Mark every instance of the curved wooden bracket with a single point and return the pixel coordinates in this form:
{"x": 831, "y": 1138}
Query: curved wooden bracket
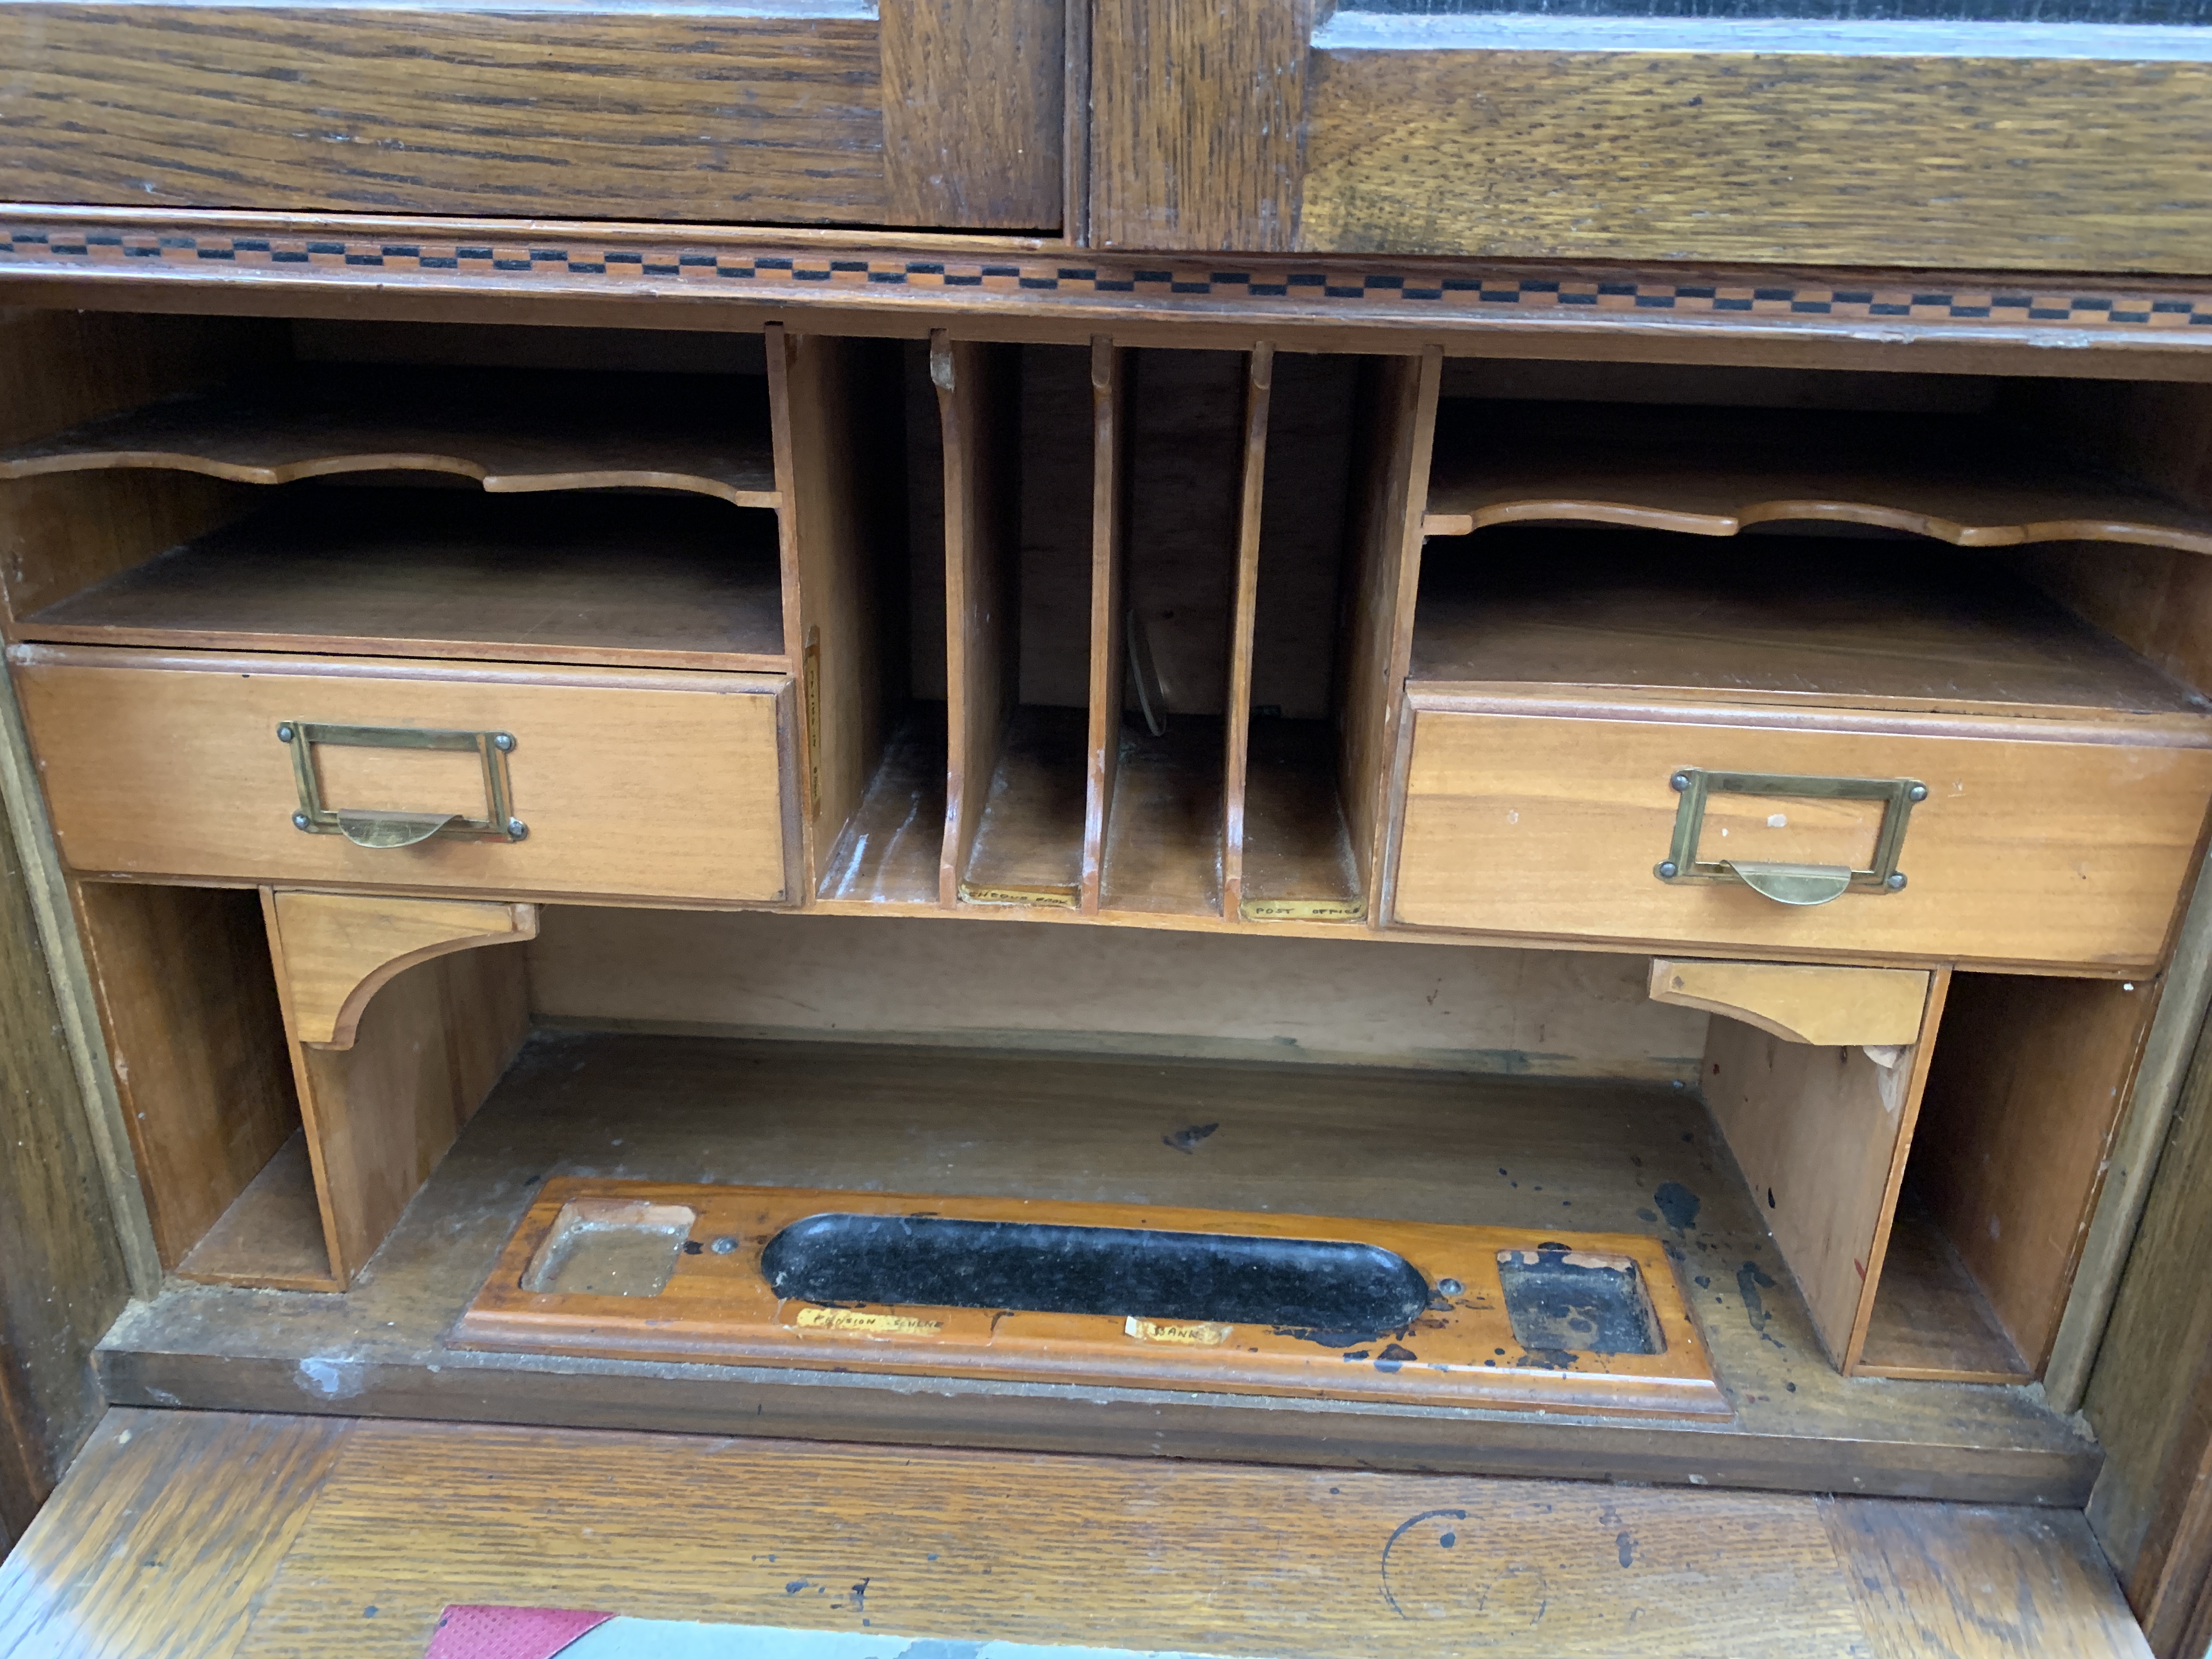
{"x": 339, "y": 949}
{"x": 1829, "y": 1007}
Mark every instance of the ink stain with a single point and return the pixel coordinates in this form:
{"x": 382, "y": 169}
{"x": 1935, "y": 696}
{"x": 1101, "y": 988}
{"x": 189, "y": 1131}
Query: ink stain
{"x": 1185, "y": 1140}
{"x": 1391, "y": 1543}
{"x": 1393, "y": 1357}
{"x": 1678, "y": 1204}
{"x": 1449, "y": 1539}
{"x": 1702, "y": 1282}
{"x": 795, "y": 1587}
{"x": 1646, "y": 1215}
{"x": 1750, "y": 1280}
{"x": 1626, "y": 1543}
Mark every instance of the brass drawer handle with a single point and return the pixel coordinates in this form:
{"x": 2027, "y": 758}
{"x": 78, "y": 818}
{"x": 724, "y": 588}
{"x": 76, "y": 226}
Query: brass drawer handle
{"x": 366, "y": 826}
{"x": 1790, "y": 884}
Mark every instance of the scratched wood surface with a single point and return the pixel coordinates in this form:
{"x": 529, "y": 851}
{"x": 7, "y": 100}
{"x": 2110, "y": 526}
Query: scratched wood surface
{"x": 1500, "y": 1151}
{"x": 1944, "y": 161}
{"x": 187, "y": 1536}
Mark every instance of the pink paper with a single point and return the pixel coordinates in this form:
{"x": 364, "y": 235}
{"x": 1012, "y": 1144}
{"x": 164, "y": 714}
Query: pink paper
{"x": 509, "y": 1632}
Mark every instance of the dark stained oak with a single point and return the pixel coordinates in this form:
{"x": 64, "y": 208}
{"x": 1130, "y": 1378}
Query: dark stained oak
{"x": 1945, "y": 162}
{"x": 536, "y": 113}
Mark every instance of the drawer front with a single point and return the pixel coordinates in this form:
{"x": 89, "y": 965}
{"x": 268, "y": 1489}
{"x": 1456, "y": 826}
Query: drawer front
{"x": 649, "y": 785}
{"x": 2025, "y": 849}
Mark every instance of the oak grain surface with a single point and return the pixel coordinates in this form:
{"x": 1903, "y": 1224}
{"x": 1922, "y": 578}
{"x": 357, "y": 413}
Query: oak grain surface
{"x": 205, "y": 1536}
{"x": 167, "y": 1533}
{"x": 1082, "y": 1551}
{"x": 1965, "y": 1583}
{"x": 2027, "y": 163}
{"x": 526, "y": 114}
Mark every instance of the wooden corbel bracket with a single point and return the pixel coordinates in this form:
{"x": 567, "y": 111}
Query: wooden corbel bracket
{"x": 1874, "y": 1008}
{"x": 337, "y": 950}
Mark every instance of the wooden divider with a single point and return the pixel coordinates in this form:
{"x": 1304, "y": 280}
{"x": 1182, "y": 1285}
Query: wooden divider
{"x": 379, "y": 1112}
{"x": 1398, "y": 419}
{"x": 1820, "y": 1133}
{"x": 980, "y": 585}
{"x": 1236, "y": 724}
{"x": 829, "y": 611}
{"x": 1110, "y": 383}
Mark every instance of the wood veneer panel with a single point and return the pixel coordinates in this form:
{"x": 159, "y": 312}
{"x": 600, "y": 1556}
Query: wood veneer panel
{"x": 1824, "y": 159}
{"x": 475, "y": 111}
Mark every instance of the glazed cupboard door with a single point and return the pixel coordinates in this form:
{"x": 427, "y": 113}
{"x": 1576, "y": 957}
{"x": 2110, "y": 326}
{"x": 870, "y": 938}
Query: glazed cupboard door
{"x": 929, "y": 113}
{"x": 1947, "y": 134}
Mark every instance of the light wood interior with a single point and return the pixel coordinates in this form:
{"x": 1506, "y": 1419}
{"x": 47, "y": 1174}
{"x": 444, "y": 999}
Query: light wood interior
{"x": 995, "y": 567}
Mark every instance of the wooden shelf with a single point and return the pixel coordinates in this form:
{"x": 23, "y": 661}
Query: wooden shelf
{"x": 1298, "y": 850}
{"x": 1929, "y": 1317}
{"x": 635, "y": 580}
{"x": 1029, "y": 845}
{"x": 1163, "y": 833}
{"x": 1634, "y": 1157}
{"x": 510, "y": 430}
{"x": 1828, "y": 618}
{"x": 1714, "y": 472}
{"x": 889, "y": 849}
{"x": 271, "y": 1234}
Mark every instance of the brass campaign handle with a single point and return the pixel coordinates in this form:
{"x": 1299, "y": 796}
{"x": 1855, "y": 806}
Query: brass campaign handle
{"x": 376, "y": 828}
{"x": 1790, "y": 884}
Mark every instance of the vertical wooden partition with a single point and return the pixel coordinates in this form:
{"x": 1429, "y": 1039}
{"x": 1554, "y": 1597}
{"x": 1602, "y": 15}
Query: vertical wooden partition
{"x": 828, "y": 609}
{"x": 1109, "y": 528}
{"x": 979, "y": 587}
{"x": 1236, "y": 728}
{"x": 1398, "y": 420}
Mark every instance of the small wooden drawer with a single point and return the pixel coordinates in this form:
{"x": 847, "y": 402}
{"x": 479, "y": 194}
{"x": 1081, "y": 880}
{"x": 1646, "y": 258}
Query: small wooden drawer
{"x": 627, "y": 783}
{"x": 2060, "y": 842}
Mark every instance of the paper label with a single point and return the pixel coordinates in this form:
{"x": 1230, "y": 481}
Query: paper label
{"x": 1187, "y": 1336}
{"x": 857, "y": 1319}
